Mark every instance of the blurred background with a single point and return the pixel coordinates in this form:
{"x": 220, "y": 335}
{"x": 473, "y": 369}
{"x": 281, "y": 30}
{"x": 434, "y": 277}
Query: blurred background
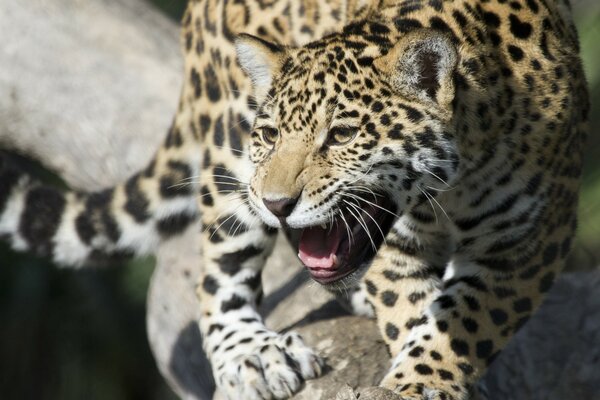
{"x": 75, "y": 335}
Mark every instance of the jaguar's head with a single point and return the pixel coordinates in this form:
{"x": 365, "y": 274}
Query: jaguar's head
{"x": 347, "y": 138}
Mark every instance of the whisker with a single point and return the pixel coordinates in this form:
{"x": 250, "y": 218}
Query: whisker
{"x": 432, "y": 207}
{"x": 371, "y": 203}
{"x": 361, "y": 223}
{"x": 374, "y": 221}
{"x": 231, "y": 149}
{"x": 350, "y": 236}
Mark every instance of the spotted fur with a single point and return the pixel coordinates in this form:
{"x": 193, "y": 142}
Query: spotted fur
{"x": 469, "y": 116}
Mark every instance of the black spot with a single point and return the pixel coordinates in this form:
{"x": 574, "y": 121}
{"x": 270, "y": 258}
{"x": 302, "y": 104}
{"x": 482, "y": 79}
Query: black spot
{"x": 445, "y": 375}
{"x": 414, "y": 322}
{"x": 171, "y": 183}
{"x": 446, "y": 301}
{"x": 439, "y": 24}
{"x": 465, "y": 368}
{"x": 391, "y": 331}
{"x": 460, "y": 347}
{"x": 41, "y": 217}
{"x": 389, "y": 298}
{"x": 423, "y": 369}
{"x": 521, "y": 30}
{"x": 237, "y": 129}
{"x": 472, "y": 303}
{"x": 407, "y": 24}
{"x": 219, "y": 132}
{"x": 215, "y": 327}
{"x": 137, "y": 203}
{"x": 377, "y": 106}
{"x": 442, "y": 326}
{"x": 371, "y": 288}
{"x": 470, "y": 325}
{"x": 212, "y": 84}
{"x": 97, "y": 216}
{"x": 413, "y": 115}
{"x": 550, "y": 254}
{"x": 205, "y": 123}
{"x": 210, "y": 284}
{"x": 522, "y": 305}
{"x": 174, "y": 224}
{"x": 484, "y": 348}
{"x": 254, "y": 282}
{"x": 546, "y": 282}
{"x": 515, "y": 53}
{"x": 206, "y": 197}
{"x": 491, "y": 19}
{"x": 174, "y": 138}
{"x": 391, "y": 275}
{"x": 234, "y": 303}
{"x": 225, "y": 180}
{"x": 230, "y": 263}
{"x": 195, "y": 81}
{"x": 436, "y": 4}
{"x": 85, "y": 227}
{"x": 414, "y": 297}
{"x": 435, "y": 355}
{"x": 395, "y": 132}
{"x": 416, "y": 352}
{"x": 533, "y": 6}
{"x": 498, "y": 316}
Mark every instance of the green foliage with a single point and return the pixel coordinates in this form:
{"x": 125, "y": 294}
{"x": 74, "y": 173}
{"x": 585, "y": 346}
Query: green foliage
{"x": 587, "y": 16}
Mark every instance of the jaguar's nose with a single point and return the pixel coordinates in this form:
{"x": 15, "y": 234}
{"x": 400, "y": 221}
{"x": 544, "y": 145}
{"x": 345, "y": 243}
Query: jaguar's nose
{"x": 281, "y": 208}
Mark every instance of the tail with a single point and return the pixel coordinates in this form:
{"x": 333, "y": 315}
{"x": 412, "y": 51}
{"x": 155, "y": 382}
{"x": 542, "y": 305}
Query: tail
{"x": 75, "y": 228}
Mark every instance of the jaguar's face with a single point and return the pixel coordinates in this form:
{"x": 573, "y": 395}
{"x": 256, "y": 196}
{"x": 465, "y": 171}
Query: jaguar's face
{"x": 340, "y": 153}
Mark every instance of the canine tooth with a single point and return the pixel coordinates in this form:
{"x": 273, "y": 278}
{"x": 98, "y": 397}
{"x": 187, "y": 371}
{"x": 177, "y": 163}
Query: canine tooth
{"x": 323, "y": 225}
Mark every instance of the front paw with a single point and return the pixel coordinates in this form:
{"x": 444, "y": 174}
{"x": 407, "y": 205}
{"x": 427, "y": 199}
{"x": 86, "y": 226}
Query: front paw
{"x": 274, "y": 369}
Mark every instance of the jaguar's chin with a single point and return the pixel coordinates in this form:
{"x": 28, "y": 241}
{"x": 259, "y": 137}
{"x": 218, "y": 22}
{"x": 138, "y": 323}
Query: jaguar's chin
{"x": 331, "y": 252}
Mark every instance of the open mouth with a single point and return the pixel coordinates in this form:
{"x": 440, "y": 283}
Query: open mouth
{"x": 332, "y": 252}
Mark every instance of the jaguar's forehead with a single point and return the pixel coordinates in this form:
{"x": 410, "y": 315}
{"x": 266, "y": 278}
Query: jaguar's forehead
{"x": 318, "y": 80}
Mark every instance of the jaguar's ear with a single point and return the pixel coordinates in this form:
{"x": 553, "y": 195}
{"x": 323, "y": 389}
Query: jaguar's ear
{"x": 261, "y": 60}
{"x": 422, "y": 65}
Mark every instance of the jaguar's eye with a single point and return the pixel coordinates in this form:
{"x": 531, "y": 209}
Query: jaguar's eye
{"x": 269, "y": 135}
{"x": 341, "y": 135}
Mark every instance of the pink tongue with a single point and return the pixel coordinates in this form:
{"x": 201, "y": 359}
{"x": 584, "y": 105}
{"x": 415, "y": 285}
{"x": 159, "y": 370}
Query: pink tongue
{"x": 318, "y": 247}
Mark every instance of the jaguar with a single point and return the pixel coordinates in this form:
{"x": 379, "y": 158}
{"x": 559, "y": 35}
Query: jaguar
{"x": 426, "y": 154}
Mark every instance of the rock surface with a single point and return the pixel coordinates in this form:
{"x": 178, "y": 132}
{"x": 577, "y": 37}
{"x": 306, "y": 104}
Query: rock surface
{"x": 89, "y": 88}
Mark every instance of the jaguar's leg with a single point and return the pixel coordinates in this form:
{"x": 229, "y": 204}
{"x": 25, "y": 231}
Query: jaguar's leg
{"x": 440, "y": 353}
{"x": 249, "y": 361}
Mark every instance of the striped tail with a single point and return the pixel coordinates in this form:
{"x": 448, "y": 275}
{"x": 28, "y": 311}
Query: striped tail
{"x": 76, "y": 228}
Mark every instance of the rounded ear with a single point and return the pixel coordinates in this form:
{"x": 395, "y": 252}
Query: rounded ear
{"x": 261, "y": 60}
{"x": 422, "y": 65}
